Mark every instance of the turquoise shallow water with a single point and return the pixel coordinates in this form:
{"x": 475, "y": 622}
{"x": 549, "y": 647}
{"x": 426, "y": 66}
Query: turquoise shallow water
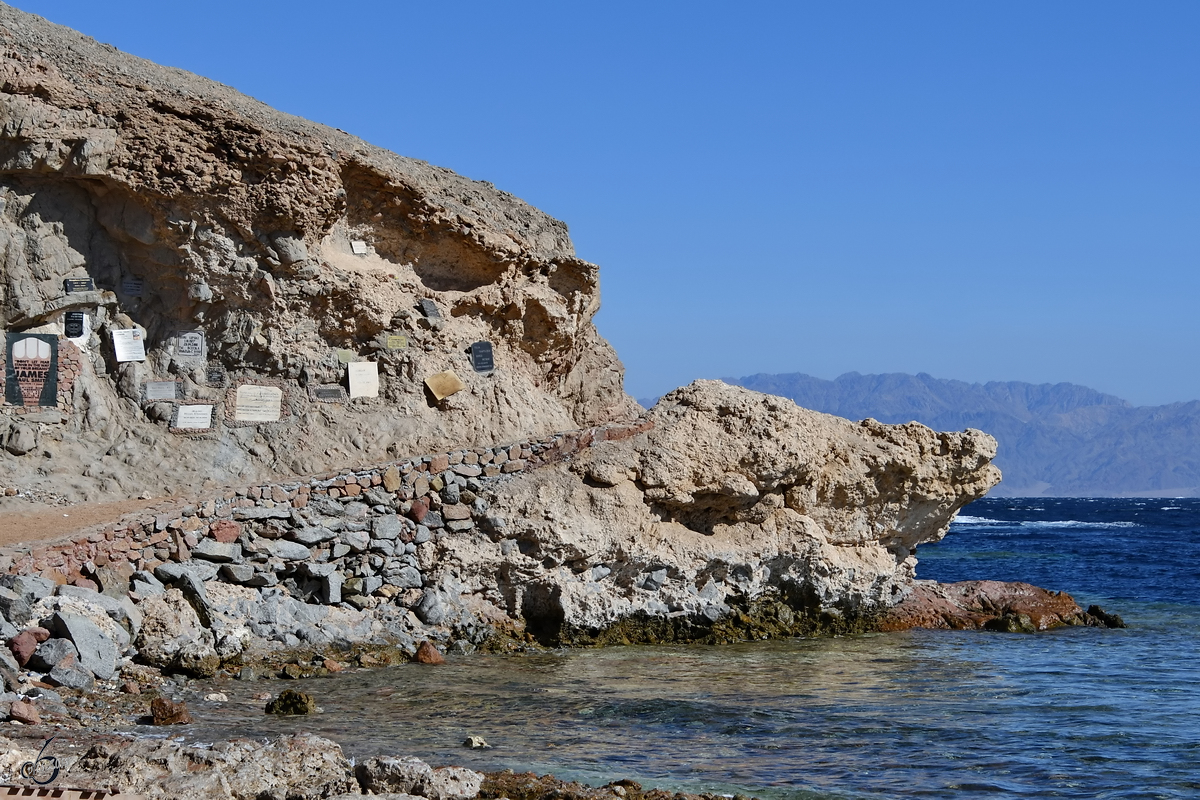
{"x": 1078, "y": 713}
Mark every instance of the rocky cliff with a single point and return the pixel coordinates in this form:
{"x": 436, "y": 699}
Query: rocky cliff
{"x": 242, "y": 246}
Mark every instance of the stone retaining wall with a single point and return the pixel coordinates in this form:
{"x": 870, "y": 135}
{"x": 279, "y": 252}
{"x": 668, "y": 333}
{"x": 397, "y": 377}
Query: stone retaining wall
{"x": 349, "y": 538}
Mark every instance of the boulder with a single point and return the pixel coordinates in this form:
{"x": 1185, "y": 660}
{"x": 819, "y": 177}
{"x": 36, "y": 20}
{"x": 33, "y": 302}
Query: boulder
{"x": 172, "y": 637}
{"x": 453, "y": 783}
{"x": 428, "y": 654}
{"x": 404, "y": 775}
{"x": 291, "y": 703}
{"x": 288, "y": 551}
{"x": 219, "y": 552}
{"x": 52, "y": 652}
{"x": 166, "y": 712}
{"x": 97, "y": 652}
{"x": 120, "y": 609}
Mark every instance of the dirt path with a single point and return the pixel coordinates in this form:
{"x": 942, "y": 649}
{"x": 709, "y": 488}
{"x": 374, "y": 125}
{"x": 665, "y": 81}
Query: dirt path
{"x": 25, "y": 521}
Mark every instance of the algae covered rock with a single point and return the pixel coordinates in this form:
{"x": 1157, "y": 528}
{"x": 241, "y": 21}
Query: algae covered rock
{"x": 292, "y": 703}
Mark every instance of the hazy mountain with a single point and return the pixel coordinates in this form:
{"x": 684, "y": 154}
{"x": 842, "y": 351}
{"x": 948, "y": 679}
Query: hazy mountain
{"x": 1055, "y": 439}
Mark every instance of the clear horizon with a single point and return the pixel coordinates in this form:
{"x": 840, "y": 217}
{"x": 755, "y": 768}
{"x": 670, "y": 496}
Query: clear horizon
{"x": 982, "y": 193}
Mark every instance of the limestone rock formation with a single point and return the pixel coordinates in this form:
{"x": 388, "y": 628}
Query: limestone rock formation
{"x": 293, "y": 248}
{"x": 732, "y": 496}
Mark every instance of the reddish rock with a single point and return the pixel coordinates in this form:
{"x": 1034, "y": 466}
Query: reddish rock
{"x": 300, "y": 501}
{"x": 279, "y": 494}
{"x": 86, "y": 583}
{"x": 23, "y": 646}
{"x": 164, "y": 712}
{"x": 333, "y": 666}
{"x": 456, "y": 511}
{"x": 25, "y": 713}
{"x": 39, "y": 633}
{"x": 353, "y": 490}
{"x": 420, "y": 507}
{"x": 428, "y": 654}
{"x": 131, "y": 687}
{"x": 439, "y": 463}
{"x": 226, "y": 531}
{"x": 983, "y": 604}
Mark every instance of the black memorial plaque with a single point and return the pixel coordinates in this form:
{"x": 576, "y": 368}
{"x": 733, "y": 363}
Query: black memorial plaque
{"x": 429, "y": 309}
{"x": 133, "y": 287}
{"x": 71, "y": 285}
{"x": 73, "y": 324}
{"x": 215, "y": 376}
{"x": 330, "y": 394}
{"x": 481, "y": 357}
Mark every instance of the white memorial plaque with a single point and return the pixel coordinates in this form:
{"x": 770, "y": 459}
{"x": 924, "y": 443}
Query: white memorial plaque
{"x": 161, "y": 390}
{"x": 258, "y": 403}
{"x": 194, "y": 417}
{"x": 358, "y": 248}
{"x": 364, "y": 379}
{"x": 190, "y": 345}
{"x": 128, "y": 345}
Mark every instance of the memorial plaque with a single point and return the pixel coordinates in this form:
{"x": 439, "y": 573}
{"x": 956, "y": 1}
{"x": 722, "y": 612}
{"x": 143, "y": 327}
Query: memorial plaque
{"x": 72, "y": 285}
{"x": 330, "y": 394}
{"x": 444, "y": 384}
{"x": 258, "y": 403}
{"x": 75, "y": 325}
{"x": 358, "y": 248}
{"x": 133, "y": 287}
{"x": 31, "y": 369}
{"x": 345, "y": 356}
{"x": 193, "y": 416}
{"x": 128, "y": 345}
{"x": 190, "y": 345}
{"x": 395, "y": 342}
{"x": 161, "y": 390}
{"x": 429, "y": 309}
{"x": 364, "y": 379}
{"x": 215, "y": 376}
{"x": 481, "y": 357}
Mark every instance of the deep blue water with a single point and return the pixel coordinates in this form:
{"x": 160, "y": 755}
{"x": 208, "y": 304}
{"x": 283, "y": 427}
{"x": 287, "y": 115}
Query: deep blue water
{"x": 1072, "y": 713}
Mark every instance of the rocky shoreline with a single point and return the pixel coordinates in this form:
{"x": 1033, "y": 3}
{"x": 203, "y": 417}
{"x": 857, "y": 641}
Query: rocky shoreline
{"x": 300, "y": 767}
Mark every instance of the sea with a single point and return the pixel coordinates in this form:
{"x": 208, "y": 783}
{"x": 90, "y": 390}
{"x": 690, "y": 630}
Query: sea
{"x": 1069, "y": 713}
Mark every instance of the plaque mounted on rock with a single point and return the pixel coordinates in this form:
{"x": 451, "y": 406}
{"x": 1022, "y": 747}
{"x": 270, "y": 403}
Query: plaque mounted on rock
{"x": 429, "y": 308}
{"x": 157, "y": 391}
{"x": 215, "y": 376}
{"x": 444, "y": 384}
{"x": 358, "y": 247}
{"x": 345, "y": 356}
{"x": 396, "y": 342}
{"x": 129, "y": 345}
{"x": 73, "y": 285}
{"x": 132, "y": 287}
{"x": 75, "y": 325}
{"x": 31, "y": 369}
{"x": 189, "y": 346}
{"x": 364, "y": 379}
{"x": 329, "y": 394}
{"x": 482, "y": 359}
{"x": 254, "y": 403}
{"x": 191, "y": 417}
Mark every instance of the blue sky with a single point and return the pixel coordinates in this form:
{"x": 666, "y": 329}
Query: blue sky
{"x": 981, "y": 191}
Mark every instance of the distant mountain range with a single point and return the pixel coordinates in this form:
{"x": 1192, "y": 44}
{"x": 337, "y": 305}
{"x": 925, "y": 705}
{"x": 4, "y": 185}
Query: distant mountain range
{"x": 1055, "y": 439}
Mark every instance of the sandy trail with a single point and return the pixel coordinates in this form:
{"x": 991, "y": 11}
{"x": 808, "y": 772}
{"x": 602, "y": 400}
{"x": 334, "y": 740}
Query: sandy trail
{"x": 22, "y": 521}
